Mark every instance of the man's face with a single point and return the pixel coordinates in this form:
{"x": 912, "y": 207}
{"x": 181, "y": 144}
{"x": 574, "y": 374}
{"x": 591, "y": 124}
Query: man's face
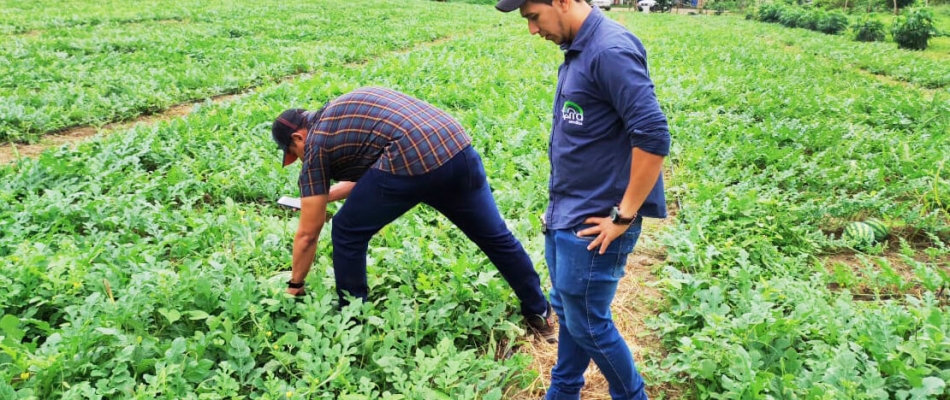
{"x": 546, "y": 21}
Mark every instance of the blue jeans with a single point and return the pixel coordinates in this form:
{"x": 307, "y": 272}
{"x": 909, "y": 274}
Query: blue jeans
{"x": 584, "y": 284}
{"x": 459, "y": 190}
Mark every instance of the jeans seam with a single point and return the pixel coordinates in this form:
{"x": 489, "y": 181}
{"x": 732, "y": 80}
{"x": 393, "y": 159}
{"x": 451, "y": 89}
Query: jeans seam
{"x": 590, "y": 330}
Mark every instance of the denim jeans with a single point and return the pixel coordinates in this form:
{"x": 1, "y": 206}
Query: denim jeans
{"x": 459, "y": 190}
{"x": 584, "y": 284}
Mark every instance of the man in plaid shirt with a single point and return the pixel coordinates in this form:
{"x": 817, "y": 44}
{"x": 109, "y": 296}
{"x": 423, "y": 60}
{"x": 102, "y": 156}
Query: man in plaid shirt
{"x": 389, "y": 152}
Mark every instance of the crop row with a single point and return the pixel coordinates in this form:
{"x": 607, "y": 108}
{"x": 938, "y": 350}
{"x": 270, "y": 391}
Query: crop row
{"x": 64, "y": 75}
{"x": 155, "y": 278}
{"x": 779, "y": 144}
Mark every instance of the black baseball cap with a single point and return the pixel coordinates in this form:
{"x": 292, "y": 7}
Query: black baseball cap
{"x": 286, "y": 124}
{"x": 509, "y": 5}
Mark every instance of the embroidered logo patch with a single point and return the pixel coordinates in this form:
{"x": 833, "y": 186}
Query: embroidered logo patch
{"x": 572, "y": 113}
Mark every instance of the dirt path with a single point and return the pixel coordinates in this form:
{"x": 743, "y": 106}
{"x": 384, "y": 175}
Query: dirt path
{"x": 11, "y": 152}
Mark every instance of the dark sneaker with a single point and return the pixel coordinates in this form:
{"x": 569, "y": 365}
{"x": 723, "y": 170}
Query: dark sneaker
{"x": 543, "y": 326}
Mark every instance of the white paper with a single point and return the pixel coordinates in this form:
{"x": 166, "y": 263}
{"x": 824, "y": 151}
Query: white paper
{"x": 291, "y": 202}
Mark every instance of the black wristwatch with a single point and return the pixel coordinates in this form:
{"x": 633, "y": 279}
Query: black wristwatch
{"x": 292, "y": 285}
{"x": 617, "y": 219}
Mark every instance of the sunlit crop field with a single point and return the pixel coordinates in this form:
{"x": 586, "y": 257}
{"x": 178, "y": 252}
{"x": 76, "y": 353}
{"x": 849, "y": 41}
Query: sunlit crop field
{"x": 146, "y": 263}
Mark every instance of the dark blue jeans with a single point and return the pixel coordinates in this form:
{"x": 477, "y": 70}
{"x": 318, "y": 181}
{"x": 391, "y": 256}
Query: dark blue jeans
{"x": 459, "y": 190}
{"x": 584, "y": 284}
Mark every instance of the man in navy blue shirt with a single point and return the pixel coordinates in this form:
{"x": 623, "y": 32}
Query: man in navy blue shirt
{"x": 608, "y": 141}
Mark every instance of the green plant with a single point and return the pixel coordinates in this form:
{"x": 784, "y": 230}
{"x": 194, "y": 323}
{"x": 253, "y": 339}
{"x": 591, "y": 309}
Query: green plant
{"x": 138, "y": 265}
{"x": 889, "y": 4}
{"x": 869, "y": 30}
{"x": 793, "y": 17}
{"x": 833, "y": 23}
{"x": 913, "y": 30}
{"x": 770, "y": 12}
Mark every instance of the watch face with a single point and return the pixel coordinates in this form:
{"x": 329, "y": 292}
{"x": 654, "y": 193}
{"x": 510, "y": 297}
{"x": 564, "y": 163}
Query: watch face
{"x": 617, "y": 219}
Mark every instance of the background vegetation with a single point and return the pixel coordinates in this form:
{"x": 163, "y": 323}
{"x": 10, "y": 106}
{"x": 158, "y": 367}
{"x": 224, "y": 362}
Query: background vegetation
{"x": 146, "y": 264}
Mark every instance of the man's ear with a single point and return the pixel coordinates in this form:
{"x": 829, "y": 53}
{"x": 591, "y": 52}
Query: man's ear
{"x": 564, "y": 5}
{"x": 299, "y": 135}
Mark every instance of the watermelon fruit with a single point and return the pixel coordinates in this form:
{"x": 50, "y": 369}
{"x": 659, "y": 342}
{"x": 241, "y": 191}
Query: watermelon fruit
{"x": 880, "y": 230}
{"x": 858, "y": 234}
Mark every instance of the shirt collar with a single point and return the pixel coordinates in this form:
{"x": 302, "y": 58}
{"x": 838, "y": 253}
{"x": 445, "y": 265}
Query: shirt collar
{"x": 586, "y": 32}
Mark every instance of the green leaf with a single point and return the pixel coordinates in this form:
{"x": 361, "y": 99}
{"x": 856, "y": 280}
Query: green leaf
{"x": 171, "y": 315}
{"x": 198, "y": 371}
{"x": 179, "y": 345}
{"x": 430, "y": 393}
{"x": 350, "y": 396}
{"x": 931, "y": 386}
{"x": 239, "y": 348}
{"x": 707, "y": 368}
{"x": 9, "y": 326}
{"x": 195, "y": 315}
{"x": 108, "y": 331}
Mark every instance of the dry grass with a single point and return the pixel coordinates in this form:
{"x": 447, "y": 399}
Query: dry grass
{"x": 636, "y": 299}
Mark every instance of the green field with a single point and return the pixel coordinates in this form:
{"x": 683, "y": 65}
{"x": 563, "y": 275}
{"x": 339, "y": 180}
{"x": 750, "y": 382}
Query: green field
{"x": 145, "y": 263}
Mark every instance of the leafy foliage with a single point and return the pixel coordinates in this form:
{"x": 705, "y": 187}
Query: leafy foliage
{"x": 778, "y": 142}
{"x": 142, "y": 264}
{"x": 832, "y": 23}
{"x": 869, "y": 30}
{"x": 912, "y": 30}
{"x": 166, "y": 53}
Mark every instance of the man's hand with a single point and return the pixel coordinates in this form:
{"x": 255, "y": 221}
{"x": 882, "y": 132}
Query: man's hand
{"x": 605, "y": 230}
{"x": 296, "y": 292}
{"x": 644, "y": 172}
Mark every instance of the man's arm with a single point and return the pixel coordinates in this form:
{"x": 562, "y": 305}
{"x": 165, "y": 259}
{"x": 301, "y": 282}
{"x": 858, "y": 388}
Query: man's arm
{"x": 341, "y": 190}
{"x": 631, "y": 93}
{"x": 644, "y": 172}
{"x": 313, "y": 210}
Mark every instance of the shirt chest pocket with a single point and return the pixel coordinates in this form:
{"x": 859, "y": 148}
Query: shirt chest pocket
{"x": 571, "y": 113}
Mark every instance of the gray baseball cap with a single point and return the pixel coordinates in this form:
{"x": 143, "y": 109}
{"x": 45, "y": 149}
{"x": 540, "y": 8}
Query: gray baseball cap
{"x": 509, "y": 5}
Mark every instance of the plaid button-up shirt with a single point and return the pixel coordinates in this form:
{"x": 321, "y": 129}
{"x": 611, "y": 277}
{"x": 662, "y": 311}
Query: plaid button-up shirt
{"x": 376, "y": 128}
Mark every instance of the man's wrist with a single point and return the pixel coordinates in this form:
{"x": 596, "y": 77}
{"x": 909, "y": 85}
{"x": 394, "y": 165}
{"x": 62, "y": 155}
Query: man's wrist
{"x": 295, "y": 285}
{"x": 617, "y": 217}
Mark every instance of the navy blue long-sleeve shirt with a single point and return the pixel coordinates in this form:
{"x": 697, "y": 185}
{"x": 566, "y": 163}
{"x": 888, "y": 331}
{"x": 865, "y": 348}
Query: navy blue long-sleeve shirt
{"x": 605, "y": 106}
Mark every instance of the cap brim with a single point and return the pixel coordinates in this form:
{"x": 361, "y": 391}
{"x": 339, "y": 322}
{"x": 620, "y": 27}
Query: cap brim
{"x": 508, "y": 5}
{"x": 289, "y": 158}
